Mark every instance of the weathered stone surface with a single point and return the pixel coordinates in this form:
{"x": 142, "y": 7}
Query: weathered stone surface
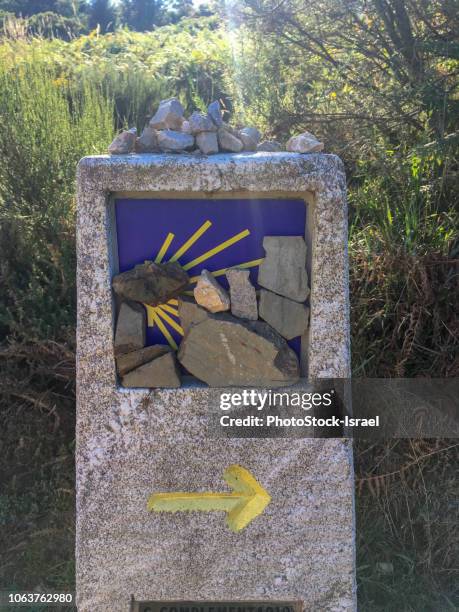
{"x": 207, "y": 142}
{"x": 129, "y": 361}
{"x": 123, "y": 143}
{"x": 186, "y": 128}
{"x": 250, "y": 144}
{"x": 190, "y": 313}
{"x": 215, "y": 113}
{"x": 151, "y": 283}
{"x": 270, "y": 146}
{"x": 130, "y": 328}
{"x": 169, "y": 140}
{"x": 133, "y": 442}
{"x": 228, "y": 142}
{"x": 242, "y": 294}
{"x": 289, "y": 318}
{"x": 224, "y": 351}
{"x": 210, "y": 294}
{"x": 304, "y": 143}
{"x": 201, "y": 123}
{"x": 284, "y": 268}
{"x": 162, "y": 372}
{"x": 252, "y": 133}
{"x": 147, "y": 141}
{"x": 169, "y": 115}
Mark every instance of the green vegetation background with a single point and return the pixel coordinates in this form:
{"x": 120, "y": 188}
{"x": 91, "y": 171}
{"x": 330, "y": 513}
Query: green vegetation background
{"x": 379, "y": 84}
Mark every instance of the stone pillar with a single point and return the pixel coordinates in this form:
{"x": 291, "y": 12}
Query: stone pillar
{"x": 133, "y": 442}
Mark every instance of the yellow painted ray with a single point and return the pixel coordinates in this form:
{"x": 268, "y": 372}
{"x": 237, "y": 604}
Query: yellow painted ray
{"x": 189, "y": 243}
{"x": 217, "y": 249}
{"x": 248, "y": 264}
{"x": 167, "y": 308}
{"x": 171, "y": 322}
{"x": 150, "y": 312}
{"x": 162, "y": 251}
{"x": 163, "y": 329}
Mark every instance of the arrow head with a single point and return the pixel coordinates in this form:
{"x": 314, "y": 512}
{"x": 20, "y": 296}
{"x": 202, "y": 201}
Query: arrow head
{"x": 254, "y": 498}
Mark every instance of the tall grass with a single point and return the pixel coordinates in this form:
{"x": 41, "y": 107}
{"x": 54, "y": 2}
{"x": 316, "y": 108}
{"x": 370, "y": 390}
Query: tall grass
{"x": 45, "y": 128}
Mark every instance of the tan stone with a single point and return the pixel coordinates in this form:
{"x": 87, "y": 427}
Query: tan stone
{"x": 209, "y": 294}
{"x": 224, "y": 351}
{"x": 129, "y": 361}
{"x": 161, "y": 372}
{"x": 130, "y": 328}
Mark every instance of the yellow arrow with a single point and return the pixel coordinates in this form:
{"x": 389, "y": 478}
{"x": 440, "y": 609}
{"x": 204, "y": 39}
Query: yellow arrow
{"x": 247, "y": 501}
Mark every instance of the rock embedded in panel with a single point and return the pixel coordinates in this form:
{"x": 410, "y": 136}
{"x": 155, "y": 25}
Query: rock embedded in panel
{"x": 169, "y": 115}
{"x": 242, "y": 294}
{"x": 228, "y": 142}
{"x": 201, "y": 123}
{"x": 215, "y": 113}
{"x": 207, "y": 142}
{"x": 151, "y": 283}
{"x": 224, "y": 351}
{"x": 209, "y": 294}
{"x": 270, "y": 146}
{"x": 161, "y": 372}
{"x": 304, "y": 143}
{"x": 283, "y": 269}
{"x": 130, "y": 328}
{"x": 172, "y": 141}
{"x": 287, "y": 317}
{"x": 129, "y": 361}
{"x": 190, "y": 313}
{"x": 124, "y": 143}
{"x": 147, "y": 141}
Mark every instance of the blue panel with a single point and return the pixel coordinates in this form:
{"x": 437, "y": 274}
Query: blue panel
{"x": 144, "y": 224}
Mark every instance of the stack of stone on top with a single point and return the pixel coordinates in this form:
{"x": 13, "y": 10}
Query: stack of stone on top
{"x": 153, "y": 284}
{"x": 168, "y": 131}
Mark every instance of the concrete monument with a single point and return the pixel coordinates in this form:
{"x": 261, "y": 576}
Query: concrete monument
{"x": 155, "y": 520}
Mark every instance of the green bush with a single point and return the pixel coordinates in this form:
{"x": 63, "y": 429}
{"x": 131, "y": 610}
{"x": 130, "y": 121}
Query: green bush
{"x": 45, "y": 128}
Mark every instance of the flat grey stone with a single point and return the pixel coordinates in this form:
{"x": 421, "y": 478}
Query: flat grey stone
{"x": 207, "y": 142}
{"x": 129, "y": 361}
{"x": 224, "y": 351}
{"x": 209, "y": 294}
{"x": 270, "y": 146}
{"x": 130, "y": 328}
{"x": 123, "y": 143}
{"x": 215, "y": 113}
{"x": 228, "y": 142}
{"x": 161, "y": 372}
{"x": 289, "y": 318}
{"x": 252, "y": 133}
{"x": 201, "y": 123}
{"x": 190, "y": 312}
{"x": 242, "y": 294}
{"x": 147, "y": 141}
{"x": 151, "y": 283}
{"x": 170, "y": 140}
{"x": 250, "y": 144}
{"x": 169, "y": 115}
{"x": 283, "y": 269}
{"x": 304, "y": 143}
